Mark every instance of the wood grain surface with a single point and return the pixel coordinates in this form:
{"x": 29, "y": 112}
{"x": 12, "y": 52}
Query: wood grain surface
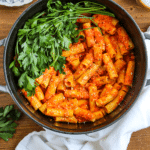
{"x": 140, "y": 140}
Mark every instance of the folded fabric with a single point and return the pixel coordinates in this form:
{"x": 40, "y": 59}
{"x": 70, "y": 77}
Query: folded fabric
{"x": 12, "y": 3}
{"x": 114, "y": 137}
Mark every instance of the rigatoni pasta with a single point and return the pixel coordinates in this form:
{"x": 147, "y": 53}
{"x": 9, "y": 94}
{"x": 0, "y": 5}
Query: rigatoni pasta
{"x": 84, "y": 65}
{"x": 97, "y": 75}
{"x": 110, "y": 67}
{"x": 106, "y": 23}
{"x": 89, "y": 34}
{"x": 74, "y": 49}
{"x": 110, "y": 49}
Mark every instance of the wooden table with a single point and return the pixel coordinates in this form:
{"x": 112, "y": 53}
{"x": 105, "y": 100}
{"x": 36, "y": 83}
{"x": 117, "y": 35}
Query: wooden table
{"x": 140, "y": 140}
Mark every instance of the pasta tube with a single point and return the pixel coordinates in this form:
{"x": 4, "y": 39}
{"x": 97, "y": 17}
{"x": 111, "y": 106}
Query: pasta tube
{"x": 79, "y": 94}
{"x": 74, "y": 49}
{"x": 39, "y": 79}
{"x": 93, "y": 96}
{"x": 99, "y": 38}
{"x": 108, "y": 98}
{"x": 39, "y": 93}
{"x": 88, "y": 74}
{"x": 59, "y": 112}
{"x": 74, "y": 61}
{"x": 55, "y": 100}
{"x": 124, "y": 38}
{"x": 122, "y": 48}
{"x": 121, "y": 76}
{"x": 109, "y": 47}
{"x": 98, "y": 115}
{"x": 51, "y": 90}
{"x": 43, "y": 108}
{"x": 119, "y": 64}
{"x": 66, "y": 119}
{"x": 89, "y": 34}
{"x": 85, "y": 114}
{"x": 101, "y": 80}
{"x": 106, "y": 90}
{"x": 69, "y": 78}
{"x": 84, "y": 104}
{"x": 86, "y": 63}
{"x": 114, "y": 42}
{"x": 97, "y": 54}
{"x": 61, "y": 87}
{"x": 46, "y": 76}
{"x": 129, "y": 73}
{"x": 34, "y": 102}
{"x": 110, "y": 66}
{"x": 105, "y": 22}
{"x": 113, "y": 104}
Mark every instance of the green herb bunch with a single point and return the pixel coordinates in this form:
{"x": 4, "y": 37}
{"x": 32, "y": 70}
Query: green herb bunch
{"x": 44, "y": 36}
{"x": 7, "y": 125}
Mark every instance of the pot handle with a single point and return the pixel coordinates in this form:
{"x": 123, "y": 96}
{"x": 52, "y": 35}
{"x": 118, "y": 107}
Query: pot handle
{"x": 3, "y": 88}
{"x": 148, "y": 82}
{"x": 2, "y": 42}
{"x": 147, "y": 36}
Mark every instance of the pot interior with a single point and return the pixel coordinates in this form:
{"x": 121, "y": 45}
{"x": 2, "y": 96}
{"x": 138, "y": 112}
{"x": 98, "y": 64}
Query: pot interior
{"x": 140, "y": 71}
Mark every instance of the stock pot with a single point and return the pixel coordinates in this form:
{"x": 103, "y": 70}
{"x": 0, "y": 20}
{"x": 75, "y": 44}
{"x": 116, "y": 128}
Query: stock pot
{"x": 138, "y": 83}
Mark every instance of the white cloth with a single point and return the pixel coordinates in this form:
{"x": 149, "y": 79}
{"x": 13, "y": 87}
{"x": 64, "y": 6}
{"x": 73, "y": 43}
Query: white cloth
{"x": 12, "y": 3}
{"x": 114, "y": 137}
{"x": 145, "y": 2}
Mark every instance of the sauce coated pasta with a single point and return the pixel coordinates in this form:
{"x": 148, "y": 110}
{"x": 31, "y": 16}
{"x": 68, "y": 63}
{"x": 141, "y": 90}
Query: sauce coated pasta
{"x": 99, "y": 71}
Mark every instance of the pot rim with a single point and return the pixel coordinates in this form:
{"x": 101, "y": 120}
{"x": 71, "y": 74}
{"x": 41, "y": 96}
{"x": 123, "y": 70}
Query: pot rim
{"x": 43, "y": 125}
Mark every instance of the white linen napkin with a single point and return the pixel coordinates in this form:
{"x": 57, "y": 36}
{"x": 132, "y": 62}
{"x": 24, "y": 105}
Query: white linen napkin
{"x": 12, "y": 3}
{"x": 114, "y": 137}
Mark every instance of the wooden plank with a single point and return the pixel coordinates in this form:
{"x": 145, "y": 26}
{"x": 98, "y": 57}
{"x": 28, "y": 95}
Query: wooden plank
{"x": 140, "y": 140}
